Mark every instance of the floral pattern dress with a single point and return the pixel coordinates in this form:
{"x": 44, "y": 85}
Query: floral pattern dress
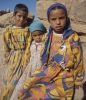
{"x": 34, "y": 64}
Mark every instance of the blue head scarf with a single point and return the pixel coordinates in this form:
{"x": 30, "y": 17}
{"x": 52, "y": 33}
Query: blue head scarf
{"x": 67, "y": 32}
{"x": 37, "y": 26}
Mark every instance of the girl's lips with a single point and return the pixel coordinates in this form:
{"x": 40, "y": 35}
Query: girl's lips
{"x": 58, "y": 27}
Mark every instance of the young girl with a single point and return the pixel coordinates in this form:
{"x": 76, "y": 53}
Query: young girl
{"x": 62, "y": 61}
{"x": 37, "y": 30}
{"x": 16, "y": 50}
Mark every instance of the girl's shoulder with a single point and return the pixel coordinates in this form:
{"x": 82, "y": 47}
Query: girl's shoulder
{"x": 22, "y": 30}
{"x": 75, "y": 36}
{"x": 44, "y": 38}
{"x": 12, "y": 29}
{"x": 7, "y": 30}
{"x": 16, "y": 27}
{"x": 27, "y": 29}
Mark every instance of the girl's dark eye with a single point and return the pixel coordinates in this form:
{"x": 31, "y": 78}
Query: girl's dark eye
{"x": 34, "y": 35}
{"x": 53, "y": 18}
{"x": 19, "y": 15}
{"x": 62, "y": 17}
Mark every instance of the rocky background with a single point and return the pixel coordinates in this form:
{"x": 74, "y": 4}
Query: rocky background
{"x": 77, "y": 14}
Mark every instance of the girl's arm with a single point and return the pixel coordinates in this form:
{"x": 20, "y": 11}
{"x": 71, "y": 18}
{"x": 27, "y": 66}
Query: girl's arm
{"x": 27, "y": 51}
{"x": 38, "y": 77}
{"x": 79, "y": 71}
{"x": 21, "y": 82}
{"x": 42, "y": 75}
{"x": 6, "y": 48}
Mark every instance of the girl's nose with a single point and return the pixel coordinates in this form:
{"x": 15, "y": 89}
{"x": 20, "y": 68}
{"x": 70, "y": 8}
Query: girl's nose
{"x": 58, "y": 21}
{"x": 38, "y": 37}
{"x": 21, "y": 18}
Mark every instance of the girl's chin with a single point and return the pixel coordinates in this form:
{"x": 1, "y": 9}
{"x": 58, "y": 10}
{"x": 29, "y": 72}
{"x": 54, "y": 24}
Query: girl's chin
{"x": 38, "y": 41}
{"x": 58, "y": 31}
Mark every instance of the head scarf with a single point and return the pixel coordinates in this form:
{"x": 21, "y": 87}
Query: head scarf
{"x": 67, "y": 32}
{"x": 37, "y": 26}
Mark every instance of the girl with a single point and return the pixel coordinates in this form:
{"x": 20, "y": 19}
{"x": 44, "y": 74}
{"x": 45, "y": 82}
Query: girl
{"x": 37, "y": 30}
{"x": 62, "y": 61}
{"x": 16, "y": 50}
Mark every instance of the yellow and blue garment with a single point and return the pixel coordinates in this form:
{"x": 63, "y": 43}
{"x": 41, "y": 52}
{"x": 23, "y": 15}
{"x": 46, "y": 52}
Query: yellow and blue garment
{"x": 52, "y": 81}
{"x": 16, "y": 51}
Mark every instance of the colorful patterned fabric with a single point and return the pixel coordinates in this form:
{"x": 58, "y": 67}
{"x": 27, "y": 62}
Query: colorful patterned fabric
{"x": 16, "y": 56}
{"x": 62, "y": 67}
{"x": 34, "y": 63}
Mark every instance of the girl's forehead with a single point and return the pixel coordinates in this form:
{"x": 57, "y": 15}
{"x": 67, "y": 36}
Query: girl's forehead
{"x": 21, "y": 12}
{"x": 37, "y": 32}
{"x": 57, "y": 12}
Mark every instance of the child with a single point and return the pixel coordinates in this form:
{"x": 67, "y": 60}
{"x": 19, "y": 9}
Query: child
{"x": 16, "y": 50}
{"x": 37, "y": 30}
{"x": 62, "y": 61}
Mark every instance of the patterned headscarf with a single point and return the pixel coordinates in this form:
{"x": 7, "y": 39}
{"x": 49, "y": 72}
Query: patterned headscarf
{"x": 67, "y": 32}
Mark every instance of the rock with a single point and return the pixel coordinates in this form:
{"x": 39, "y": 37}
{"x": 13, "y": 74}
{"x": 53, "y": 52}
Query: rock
{"x": 2, "y": 12}
{"x": 8, "y": 10}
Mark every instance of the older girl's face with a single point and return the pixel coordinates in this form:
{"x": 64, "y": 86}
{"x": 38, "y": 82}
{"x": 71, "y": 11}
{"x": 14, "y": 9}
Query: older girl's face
{"x": 58, "y": 20}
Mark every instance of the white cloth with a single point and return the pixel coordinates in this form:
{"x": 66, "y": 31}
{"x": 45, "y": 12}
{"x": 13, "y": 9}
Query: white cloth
{"x": 35, "y": 50}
